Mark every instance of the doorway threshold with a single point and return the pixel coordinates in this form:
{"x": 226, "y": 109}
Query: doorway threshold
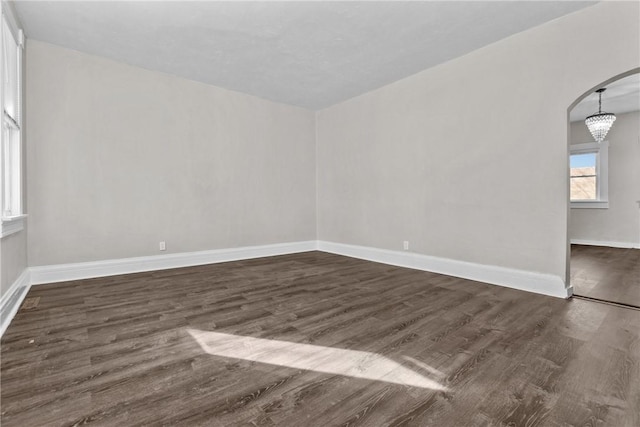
{"x": 602, "y": 301}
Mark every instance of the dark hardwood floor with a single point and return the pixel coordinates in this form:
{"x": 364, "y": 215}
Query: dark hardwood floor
{"x": 315, "y": 339}
{"x": 609, "y": 274}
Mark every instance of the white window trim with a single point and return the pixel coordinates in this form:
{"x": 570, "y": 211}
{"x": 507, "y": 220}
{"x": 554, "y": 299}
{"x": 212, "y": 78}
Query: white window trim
{"x": 11, "y": 225}
{"x": 14, "y": 223}
{"x": 602, "y": 170}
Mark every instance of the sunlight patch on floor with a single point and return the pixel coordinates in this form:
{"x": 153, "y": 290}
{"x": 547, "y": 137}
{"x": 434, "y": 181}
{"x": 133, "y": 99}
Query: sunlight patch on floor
{"x": 338, "y": 361}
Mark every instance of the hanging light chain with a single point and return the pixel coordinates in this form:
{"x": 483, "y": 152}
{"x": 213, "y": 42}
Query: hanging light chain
{"x": 600, "y": 100}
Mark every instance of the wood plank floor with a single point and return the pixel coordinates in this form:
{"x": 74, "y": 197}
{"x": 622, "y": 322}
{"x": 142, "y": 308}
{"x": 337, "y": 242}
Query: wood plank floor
{"x": 315, "y": 339}
{"x": 610, "y": 274}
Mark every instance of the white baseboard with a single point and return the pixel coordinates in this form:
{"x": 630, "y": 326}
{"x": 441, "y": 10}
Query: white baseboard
{"x": 86, "y": 270}
{"x": 539, "y": 283}
{"x": 12, "y": 299}
{"x": 545, "y": 284}
{"x": 622, "y": 245}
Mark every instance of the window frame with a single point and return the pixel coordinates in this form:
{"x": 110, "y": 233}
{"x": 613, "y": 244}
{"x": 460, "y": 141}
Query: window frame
{"x": 602, "y": 174}
{"x": 12, "y": 214}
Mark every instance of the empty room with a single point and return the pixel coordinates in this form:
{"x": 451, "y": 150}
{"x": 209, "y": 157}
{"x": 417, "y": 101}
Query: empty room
{"x": 318, "y": 213}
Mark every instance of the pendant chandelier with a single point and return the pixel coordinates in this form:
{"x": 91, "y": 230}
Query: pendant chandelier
{"x": 600, "y": 123}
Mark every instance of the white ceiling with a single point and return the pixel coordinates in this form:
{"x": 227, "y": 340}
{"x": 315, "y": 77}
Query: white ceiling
{"x": 310, "y": 54}
{"x": 621, "y": 96}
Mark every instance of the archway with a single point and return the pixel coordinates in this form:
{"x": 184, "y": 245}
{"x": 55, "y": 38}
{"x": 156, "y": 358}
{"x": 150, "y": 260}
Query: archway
{"x": 603, "y": 221}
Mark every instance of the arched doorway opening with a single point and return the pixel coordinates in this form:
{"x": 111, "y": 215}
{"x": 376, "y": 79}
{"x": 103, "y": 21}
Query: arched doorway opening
{"x": 603, "y": 244}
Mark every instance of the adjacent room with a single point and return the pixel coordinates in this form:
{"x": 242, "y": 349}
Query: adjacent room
{"x": 300, "y": 213}
{"x": 604, "y": 223}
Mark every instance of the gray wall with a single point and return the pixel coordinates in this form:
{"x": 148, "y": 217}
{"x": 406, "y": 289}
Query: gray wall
{"x": 620, "y": 223}
{"x": 121, "y": 158}
{"x": 468, "y": 160}
{"x": 13, "y": 256}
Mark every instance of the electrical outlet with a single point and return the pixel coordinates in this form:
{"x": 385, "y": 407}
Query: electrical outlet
{"x": 405, "y": 245}
{"x": 163, "y": 246}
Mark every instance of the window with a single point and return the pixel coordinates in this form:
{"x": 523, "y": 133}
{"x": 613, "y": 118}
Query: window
{"x": 11, "y": 135}
{"x": 588, "y": 175}
{"x": 584, "y": 180}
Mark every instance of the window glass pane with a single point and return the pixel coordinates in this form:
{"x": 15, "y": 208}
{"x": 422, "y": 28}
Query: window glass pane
{"x": 10, "y": 72}
{"x": 11, "y": 204}
{"x": 6, "y": 170}
{"x": 14, "y": 140}
{"x": 583, "y": 188}
{"x": 583, "y": 164}
{"x": 584, "y": 182}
